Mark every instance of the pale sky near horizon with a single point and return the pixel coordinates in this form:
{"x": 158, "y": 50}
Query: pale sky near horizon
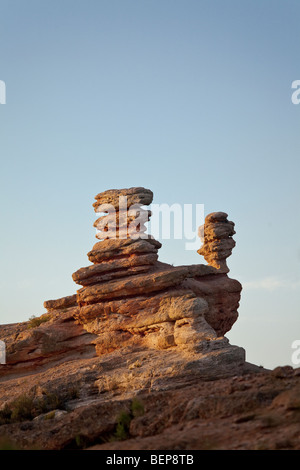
{"x": 191, "y": 99}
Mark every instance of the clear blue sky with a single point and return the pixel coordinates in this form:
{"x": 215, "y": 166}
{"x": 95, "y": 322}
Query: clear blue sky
{"x": 190, "y": 98}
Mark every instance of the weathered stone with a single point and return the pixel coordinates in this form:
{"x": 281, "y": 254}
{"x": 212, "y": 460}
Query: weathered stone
{"x": 216, "y": 217}
{"x": 186, "y": 403}
{"x": 158, "y": 333}
{"x": 130, "y": 246}
{"x": 133, "y": 286}
{"x": 64, "y": 302}
{"x": 190, "y": 332}
{"x": 130, "y": 299}
{"x": 109, "y": 276}
{"x": 113, "y": 265}
{"x": 146, "y": 307}
{"x": 116, "y": 298}
{"x": 123, "y": 233}
{"x": 113, "y": 248}
{"x": 216, "y": 235}
{"x": 143, "y": 312}
{"x": 219, "y": 230}
{"x": 122, "y": 219}
{"x": 59, "y": 338}
{"x": 111, "y": 197}
{"x": 222, "y": 295}
{"x": 199, "y": 270}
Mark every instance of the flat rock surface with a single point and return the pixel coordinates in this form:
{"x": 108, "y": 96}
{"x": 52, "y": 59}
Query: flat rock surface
{"x": 176, "y": 408}
{"x": 113, "y": 265}
{"x": 108, "y": 249}
{"x": 134, "y": 285}
{"x": 63, "y": 302}
{"x": 113, "y": 197}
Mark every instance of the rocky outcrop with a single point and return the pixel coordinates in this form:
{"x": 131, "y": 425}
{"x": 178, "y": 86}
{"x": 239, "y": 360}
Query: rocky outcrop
{"x": 146, "y": 339}
{"x": 124, "y": 216}
{"x": 61, "y": 304}
{"x": 217, "y": 240}
{"x": 128, "y": 298}
{"x": 44, "y": 340}
{"x": 222, "y": 295}
{"x": 169, "y": 405}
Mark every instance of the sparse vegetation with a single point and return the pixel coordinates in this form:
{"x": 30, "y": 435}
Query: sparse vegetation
{"x": 135, "y": 365}
{"x": 123, "y": 423}
{"x": 7, "y": 444}
{"x": 125, "y": 418}
{"x": 27, "y": 407}
{"x": 81, "y": 441}
{"x": 50, "y": 415}
{"x": 23, "y": 408}
{"x": 137, "y": 408}
{"x": 20, "y": 409}
{"x": 5, "y": 414}
{"x": 37, "y": 321}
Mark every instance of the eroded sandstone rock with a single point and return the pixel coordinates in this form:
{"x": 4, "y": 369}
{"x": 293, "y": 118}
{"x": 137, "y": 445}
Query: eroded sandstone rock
{"x": 217, "y": 240}
{"x": 125, "y": 292}
{"x": 130, "y": 299}
{"x": 142, "y": 329}
{"x": 116, "y": 198}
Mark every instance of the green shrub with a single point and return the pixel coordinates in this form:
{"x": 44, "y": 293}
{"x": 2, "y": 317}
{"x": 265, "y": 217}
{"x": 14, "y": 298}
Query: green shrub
{"x": 137, "y": 408}
{"x": 22, "y": 408}
{"x": 123, "y": 423}
{"x": 48, "y": 402}
{"x": 50, "y": 415}
{"x": 37, "y": 321}
{"x": 26, "y": 407}
{"x": 5, "y": 415}
{"x": 7, "y": 444}
{"x": 124, "y": 419}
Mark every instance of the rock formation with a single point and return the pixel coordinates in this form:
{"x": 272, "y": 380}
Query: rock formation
{"x": 218, "y": 242}
{"x": 144, "y": 333}
{"x": 130, "y": 299}
{"x": 125, "y": 218}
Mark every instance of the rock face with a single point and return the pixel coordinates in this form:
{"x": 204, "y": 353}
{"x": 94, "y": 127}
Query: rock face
{"x": 52, "y": 339}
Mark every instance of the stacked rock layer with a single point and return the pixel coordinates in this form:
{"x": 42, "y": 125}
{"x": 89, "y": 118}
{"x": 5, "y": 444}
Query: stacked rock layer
{"x": 218, "y": 242}
{"x": 129, "y": 298}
